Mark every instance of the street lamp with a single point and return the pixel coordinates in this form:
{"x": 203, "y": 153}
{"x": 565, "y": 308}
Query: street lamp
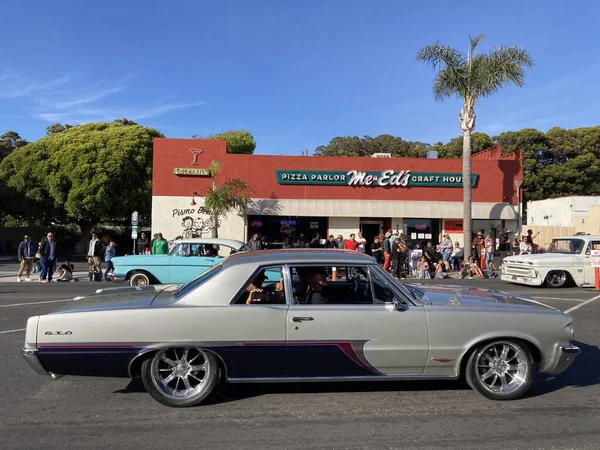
{"x": 519, "y": 183}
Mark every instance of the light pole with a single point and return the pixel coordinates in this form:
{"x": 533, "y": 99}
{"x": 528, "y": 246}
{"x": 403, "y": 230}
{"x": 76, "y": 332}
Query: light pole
{"x": 519, "y": 183}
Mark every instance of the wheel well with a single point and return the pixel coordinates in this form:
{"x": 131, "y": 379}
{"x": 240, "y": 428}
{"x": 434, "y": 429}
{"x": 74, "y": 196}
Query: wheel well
{"x": 152, "y": 278}
{"x": 135, "y": 366}
{"x": 535, "y": 352}
{"x": 570, "y": 279}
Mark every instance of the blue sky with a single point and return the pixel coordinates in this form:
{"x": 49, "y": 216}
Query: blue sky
{"x": 295, "y": 73}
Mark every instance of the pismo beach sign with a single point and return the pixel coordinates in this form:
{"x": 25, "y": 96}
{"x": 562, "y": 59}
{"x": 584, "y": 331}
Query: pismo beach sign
{"x": 386, "y": 178}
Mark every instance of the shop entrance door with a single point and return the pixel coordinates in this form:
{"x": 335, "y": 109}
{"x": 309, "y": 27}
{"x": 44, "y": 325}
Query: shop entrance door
{"x": 370, "y": 229}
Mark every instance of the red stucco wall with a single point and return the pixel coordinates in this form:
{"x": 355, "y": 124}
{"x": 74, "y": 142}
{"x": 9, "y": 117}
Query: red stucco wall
{"x": 496, "y": 176}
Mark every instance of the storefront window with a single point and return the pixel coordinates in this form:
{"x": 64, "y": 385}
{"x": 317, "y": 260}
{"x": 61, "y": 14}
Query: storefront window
{"x": 286, "y": 232}
{"x": 420, "y": 231}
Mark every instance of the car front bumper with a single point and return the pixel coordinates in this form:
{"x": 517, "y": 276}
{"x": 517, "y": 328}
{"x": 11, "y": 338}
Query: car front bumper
{"x": 117, "y": 278}
{"x": 31, "y": 356}
{"x": 565, "y": 357}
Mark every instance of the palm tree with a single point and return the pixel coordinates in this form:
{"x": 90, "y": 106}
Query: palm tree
{"x": 470, "y": 77}
{"x": 219, "y": 200}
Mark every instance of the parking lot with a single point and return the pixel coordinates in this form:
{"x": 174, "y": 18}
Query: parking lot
{"x": 75, "y": 412}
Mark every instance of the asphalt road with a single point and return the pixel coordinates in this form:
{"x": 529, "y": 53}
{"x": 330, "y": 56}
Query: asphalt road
{"x": 77, "y": 413}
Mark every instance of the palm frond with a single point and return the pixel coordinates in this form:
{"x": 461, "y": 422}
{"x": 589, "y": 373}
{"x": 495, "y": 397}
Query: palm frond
{"x": 450, "y": 82}
{"x": 475, "y": 41}
{"x": 502, "y": 66}
{"x": 440, "y": 56}
{"x": 231, "y": 194}
{"x": 214, "y": 168}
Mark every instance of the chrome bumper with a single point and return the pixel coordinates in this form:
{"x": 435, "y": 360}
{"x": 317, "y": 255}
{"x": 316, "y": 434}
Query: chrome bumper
{"x": 31, "y": 356}
{"x": 117, "y": 278}
{"x": 566, "y": 357}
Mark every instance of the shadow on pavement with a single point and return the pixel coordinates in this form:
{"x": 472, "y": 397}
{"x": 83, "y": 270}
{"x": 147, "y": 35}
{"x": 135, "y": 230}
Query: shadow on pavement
{"x": 585, "y": 371}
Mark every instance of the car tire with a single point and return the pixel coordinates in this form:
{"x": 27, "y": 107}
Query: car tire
{"x": 139, "y": 279}
{"x": 556, "y": 279}
{"x": 181, "y": 376}
{"x": 501, "y": 370}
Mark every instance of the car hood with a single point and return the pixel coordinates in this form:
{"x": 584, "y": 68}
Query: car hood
{"x": 128, "y": 298}
{"x": 540, "y": 258}
{"x": 141, "y": 260}
{"x": 456, "y": 296}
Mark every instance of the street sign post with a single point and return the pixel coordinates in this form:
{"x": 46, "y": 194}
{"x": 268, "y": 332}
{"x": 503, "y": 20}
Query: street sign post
{"x": 134, "y": 228}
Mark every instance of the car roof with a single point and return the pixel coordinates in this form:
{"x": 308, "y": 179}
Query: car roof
{"x": 579, "y": 236}
{"x": 299, "y": 256}
{"x": 211, "y": 241}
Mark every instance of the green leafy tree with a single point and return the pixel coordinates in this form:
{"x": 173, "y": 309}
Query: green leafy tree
{"x": 367, "y": 146}
{"x": 238, "y": 141}
{"x": 9, "y": 142}
{"x": 57, "y": 128}
{"x": 232, "y": 194}
{"x": 454, "y": 148}
{"x": 470, "y": 77}
{"x": 84, "y": 174}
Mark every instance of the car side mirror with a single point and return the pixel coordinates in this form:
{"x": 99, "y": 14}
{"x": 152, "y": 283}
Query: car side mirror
{"x": 398, "y": 305}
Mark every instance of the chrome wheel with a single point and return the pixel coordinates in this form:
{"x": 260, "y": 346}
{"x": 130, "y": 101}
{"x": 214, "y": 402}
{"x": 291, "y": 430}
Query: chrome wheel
{"x": 182, "y": 373}
{"x": 556, "y": 279}
{"x": 139, "y": 279}
{"x": 502, "y": 368}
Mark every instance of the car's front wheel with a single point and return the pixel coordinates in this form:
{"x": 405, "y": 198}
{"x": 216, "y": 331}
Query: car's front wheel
{"x": 139, "y": 279}
{"x": 556, "y": 279}
{"x": 501, "y": 370}
{"x": 180, "y": 376}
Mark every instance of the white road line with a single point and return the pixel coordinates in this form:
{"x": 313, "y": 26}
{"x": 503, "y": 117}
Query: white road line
{"x": 559, "y": 298}
{"x": 34, "y": 303}
{"x": 12, "y": 331}
{"x": 587, "y": 302}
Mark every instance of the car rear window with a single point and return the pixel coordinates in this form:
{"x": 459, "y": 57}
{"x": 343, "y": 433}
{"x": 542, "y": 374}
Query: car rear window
{"x": 199, "y": 280}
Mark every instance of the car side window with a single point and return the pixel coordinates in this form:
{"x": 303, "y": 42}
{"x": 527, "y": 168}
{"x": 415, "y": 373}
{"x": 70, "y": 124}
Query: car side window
{"x": 593, "y": 245}
{"x": 325, "y": 285}
{"x": 382, "y": 293}
{"x": 265, "y": 287}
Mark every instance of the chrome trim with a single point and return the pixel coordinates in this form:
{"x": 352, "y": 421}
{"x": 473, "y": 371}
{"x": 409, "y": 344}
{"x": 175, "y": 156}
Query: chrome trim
{"x": 118, "y": 278}
{"x": 31, "y": 356}
{"x": 333, "y": 379}
{"x": 566, "y": 356}
{"x": 571, "y": 349}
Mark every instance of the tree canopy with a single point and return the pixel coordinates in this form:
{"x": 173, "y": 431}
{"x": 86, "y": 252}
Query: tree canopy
{"x": 9, "y": 142}
{"x": 367, "y": 146}
{"x": 238, "y": 141}
{"x": 81, "y": 174}
{"x": 57, "y": 128}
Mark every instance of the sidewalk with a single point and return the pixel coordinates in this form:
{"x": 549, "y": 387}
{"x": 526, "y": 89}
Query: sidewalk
{"x": 11, "y": 277}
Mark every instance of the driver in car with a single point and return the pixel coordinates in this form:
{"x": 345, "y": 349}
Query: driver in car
{"x": 316, "y": 280}
{"x": 257, "y": 295}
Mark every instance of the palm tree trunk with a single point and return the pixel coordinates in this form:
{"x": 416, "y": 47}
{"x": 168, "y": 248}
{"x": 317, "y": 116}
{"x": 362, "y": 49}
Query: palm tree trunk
{"x": 467, "y": 125}
{"x": 466, "y": 178}
{"x": 214, "y": 232}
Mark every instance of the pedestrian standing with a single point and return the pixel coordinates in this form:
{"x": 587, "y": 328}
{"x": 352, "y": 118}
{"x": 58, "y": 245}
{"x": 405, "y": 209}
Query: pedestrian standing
{"x": 95, "y": 251}
{"x": 377, "y": 250}
{"x": 48, "y": 255}
{"x": 109, "y": 254}
{"x": 387, "y": 250}
{"x": 142, "y": 244}
{"x": 362, "y": 243}
{"x": 351, "y": 244}
{"x": 25, "y": 253}
{"x": 330, "y": 243}
{"x": 160, "y": 245}
{"x": 254, "y": 243}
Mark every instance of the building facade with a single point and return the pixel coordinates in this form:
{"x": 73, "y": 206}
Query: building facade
{"x": 305, "y": 195}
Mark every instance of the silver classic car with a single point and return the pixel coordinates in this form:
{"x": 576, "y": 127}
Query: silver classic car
{"x": 301, "y": 315}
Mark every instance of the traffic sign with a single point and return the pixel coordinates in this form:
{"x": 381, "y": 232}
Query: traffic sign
{"x": 595, "y": 256}
{"x": 134, "y": 218}
{"x": 134, "y": 232}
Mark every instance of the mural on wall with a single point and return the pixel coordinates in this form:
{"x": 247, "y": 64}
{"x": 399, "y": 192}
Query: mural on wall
{"x": 195, "y": 223}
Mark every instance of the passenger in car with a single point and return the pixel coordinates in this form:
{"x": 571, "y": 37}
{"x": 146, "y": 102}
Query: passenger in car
{"x": 316, "y": 280}
{"x": 259, "y": 296}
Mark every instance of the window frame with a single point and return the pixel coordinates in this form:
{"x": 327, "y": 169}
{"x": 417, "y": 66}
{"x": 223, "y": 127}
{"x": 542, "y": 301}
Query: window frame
{"x": 286, "y": 286}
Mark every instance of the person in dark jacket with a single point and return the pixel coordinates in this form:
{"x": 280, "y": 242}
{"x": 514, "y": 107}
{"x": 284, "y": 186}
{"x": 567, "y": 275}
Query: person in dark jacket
{"x": 25, "y": 253}
{"x": 48, "y": 255}
{"x": 142, "y": 244}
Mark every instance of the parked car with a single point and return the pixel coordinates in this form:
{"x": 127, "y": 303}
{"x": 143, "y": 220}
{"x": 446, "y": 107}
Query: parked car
{"x": 229, "y": 324}
{"x": 187, "y": 259}
{"x": 567, "y": 261}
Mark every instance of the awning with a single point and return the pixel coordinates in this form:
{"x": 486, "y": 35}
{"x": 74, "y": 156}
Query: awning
{"x": 379, "y": 208}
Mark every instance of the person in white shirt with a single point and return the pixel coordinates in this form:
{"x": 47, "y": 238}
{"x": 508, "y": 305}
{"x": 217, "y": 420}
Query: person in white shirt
{"x": 524, "y": 247}
{"x": 362, "y": 243}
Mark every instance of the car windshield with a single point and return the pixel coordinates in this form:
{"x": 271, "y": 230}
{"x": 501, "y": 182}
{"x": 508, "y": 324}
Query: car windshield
{"x": 567, "y": 246}
{"x": 184, "y": 289}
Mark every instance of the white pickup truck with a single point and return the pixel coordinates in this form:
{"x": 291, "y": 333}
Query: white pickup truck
{"x": 567, "y": 261}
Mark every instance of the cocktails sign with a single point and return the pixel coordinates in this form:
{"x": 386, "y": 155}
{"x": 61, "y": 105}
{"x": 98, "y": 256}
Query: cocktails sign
{"x": 386, "y": 178}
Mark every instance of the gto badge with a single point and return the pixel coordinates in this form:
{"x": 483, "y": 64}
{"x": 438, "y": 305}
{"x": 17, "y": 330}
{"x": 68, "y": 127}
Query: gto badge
{"x": 58, "y": 333}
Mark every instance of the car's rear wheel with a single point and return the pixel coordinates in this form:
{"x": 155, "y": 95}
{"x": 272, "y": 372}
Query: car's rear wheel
{"x": 180, "y": 376}
{"x": 139, "y": 279}
{"x": 501, "y": 370}
{"x": 556, "y": 279}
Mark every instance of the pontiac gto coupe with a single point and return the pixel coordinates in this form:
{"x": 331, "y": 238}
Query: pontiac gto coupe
{"x": 567, "y": 261}
{"x": 287, "y": 316}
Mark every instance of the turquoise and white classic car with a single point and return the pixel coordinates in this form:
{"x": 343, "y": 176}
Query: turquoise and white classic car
{"x": 187, "y": 259}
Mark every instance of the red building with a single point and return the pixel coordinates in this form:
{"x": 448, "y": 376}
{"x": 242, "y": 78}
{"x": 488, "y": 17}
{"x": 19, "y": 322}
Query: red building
{"x": 331, "y": 195}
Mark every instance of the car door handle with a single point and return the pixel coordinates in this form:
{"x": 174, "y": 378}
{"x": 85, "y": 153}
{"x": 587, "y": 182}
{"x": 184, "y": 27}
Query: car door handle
{"x": 302, "y": 319}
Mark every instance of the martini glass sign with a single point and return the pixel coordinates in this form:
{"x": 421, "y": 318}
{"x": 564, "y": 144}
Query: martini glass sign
{"x": 195, "y": 152}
